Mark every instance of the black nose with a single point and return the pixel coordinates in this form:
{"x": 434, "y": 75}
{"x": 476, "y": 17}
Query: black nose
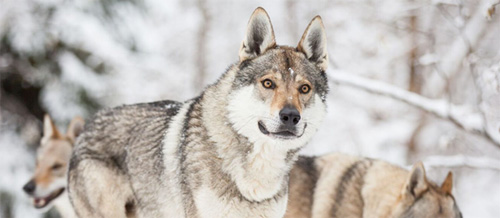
{"x": 289, "y": 116}
{"x": 30, "y": 187}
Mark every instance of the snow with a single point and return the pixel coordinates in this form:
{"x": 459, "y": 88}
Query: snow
{"x": 149, "y": 52}
{"x": 291, "y": 71}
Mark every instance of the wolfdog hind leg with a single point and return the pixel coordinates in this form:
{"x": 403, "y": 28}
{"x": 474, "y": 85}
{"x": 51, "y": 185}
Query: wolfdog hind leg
{"x": 100, "y": 189}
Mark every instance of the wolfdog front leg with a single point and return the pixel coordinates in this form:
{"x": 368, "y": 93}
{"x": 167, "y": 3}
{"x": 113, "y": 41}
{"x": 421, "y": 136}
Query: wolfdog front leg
{"x": 100, "y": 190}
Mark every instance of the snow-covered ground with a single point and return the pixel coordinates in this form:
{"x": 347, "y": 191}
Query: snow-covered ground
{"x": 153, "y": 50}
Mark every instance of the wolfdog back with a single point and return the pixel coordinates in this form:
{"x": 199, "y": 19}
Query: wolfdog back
{"x": 225, "y": 153}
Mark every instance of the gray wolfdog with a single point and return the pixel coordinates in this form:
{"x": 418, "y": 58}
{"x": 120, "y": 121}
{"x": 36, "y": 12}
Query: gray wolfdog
{"x": 339, "y": 185}
{"x": 226, "y": 153}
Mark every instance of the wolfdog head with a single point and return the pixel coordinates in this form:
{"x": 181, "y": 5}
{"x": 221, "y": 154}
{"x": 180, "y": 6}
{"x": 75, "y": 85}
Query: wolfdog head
{"x": 279, "y": 92}
{"x": 49, "y": 180}
{"x": 422, "y": 198}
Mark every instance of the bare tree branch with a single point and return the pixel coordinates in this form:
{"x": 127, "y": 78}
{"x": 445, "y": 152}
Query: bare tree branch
{"x": 202, "y": 45}
{"x": 462, "y": 116}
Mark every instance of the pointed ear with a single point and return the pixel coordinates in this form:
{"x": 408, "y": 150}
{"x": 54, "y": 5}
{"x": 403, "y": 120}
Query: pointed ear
{"x": 49, "y": 129}
{"x": 417, "y": 181}
{"x": 448, "y": 183}
{"x": 75, "y": 128}
{"x": 259, "y": 36}
{"x": 313, "y": 43}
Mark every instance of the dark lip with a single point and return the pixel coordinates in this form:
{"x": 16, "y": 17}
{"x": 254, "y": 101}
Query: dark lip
{"x": 281, "y": 134}
{"x": 263, "y": 129}
{"x": 50, "y": 198}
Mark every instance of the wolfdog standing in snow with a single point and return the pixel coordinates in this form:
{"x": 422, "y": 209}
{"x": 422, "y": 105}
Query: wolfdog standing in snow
{"x": 226, "y": 153}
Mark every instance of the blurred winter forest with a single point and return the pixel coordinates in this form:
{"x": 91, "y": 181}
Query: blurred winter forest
{"x": 409, "y": 79}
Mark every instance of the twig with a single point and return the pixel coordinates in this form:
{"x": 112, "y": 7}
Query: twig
{"x": 462, "y": 161}
{"x": 491, "y": 10}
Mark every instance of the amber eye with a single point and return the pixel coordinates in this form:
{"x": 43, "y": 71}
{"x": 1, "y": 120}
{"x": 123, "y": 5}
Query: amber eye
{"x": 56, "y": 166}
{"x": 304, "y": 89}
{"x": 268, "y": 84}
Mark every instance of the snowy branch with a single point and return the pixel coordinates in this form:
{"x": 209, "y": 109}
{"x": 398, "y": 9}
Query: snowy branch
{"x": 462, "y": 161}
{"x": 462, "y": 116}
{"x": 468, "y": 37}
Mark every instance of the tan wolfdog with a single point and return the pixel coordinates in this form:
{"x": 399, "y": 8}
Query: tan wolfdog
{"x": 339, "y": 185}
{"x": 48, "y": 185}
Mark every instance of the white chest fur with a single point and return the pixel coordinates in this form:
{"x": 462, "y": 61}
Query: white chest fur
{"x": 64, "y": 207}
{"x": 262, "y": 174}
{"x": 210, "y": 205}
